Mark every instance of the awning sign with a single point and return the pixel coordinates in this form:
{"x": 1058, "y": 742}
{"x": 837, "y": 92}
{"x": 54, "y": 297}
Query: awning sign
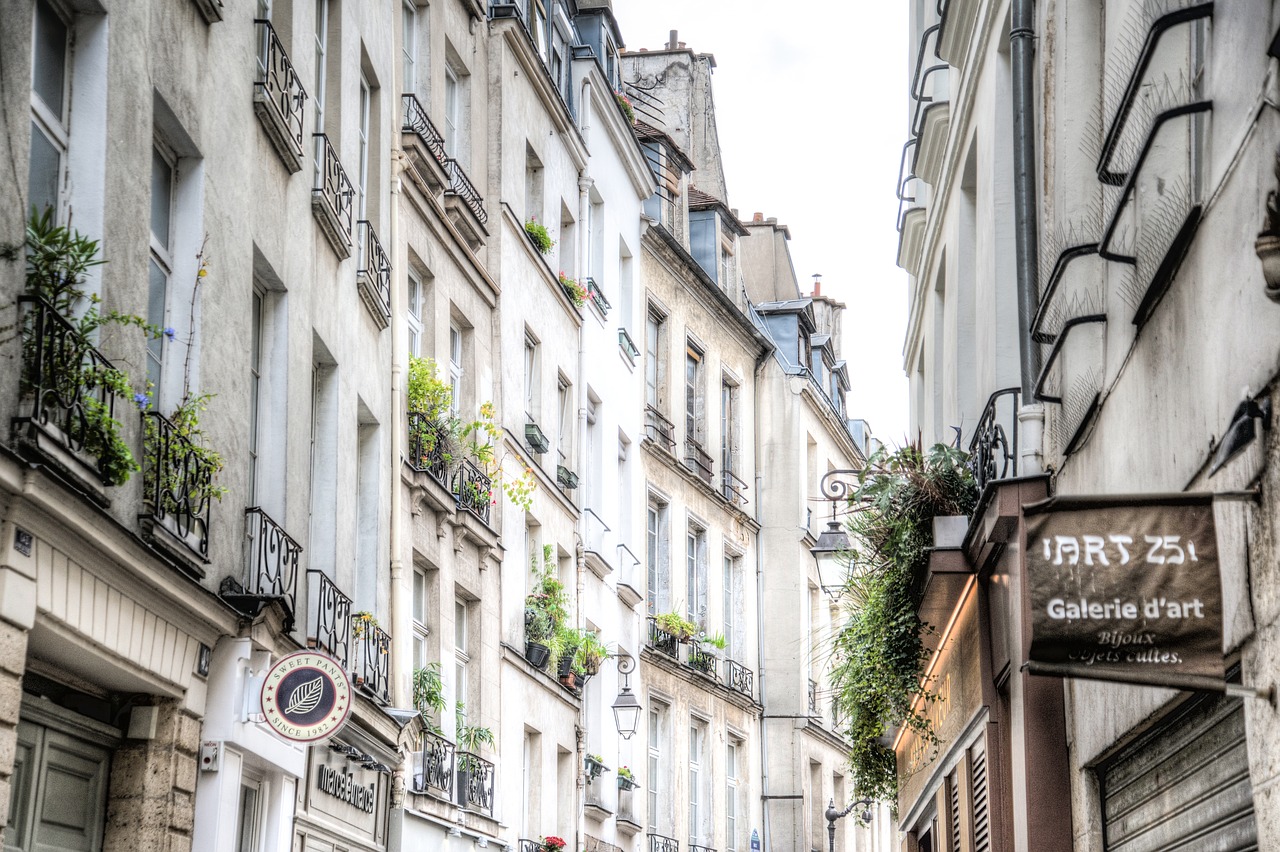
{"x": 1125, "y": 589}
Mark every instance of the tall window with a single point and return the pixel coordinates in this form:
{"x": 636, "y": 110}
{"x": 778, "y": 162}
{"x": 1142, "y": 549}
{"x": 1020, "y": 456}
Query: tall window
{"x": 652, "y": 359}
{"x": 656, "y": 781}
{"x": 731, "y": 593}
{"x": 321, "y": 49}
{"x": 462, "y": 657}
{"x": 452, "y": 109}
{"x": 564, "y": 408}
{"x": 728, "y": 426}
{"x": 362, "y": 205}
{"x": 409, "y": 47}
{"x": 255, "y": 387}
{"x": 731, "y": 796}
{"x": 414, "y": 314}
{"x": 249, "y": 832}
{"x": 419, "y": 618}
{"x": 455, "y": 366}
{"x": 657, "y": 590}
{"x": 699, "y": 806}
{"x": 49, "y": 109}
{"x": 531, "y": 377}
{"x": 693, "y": 394}
{"x": 538, "y": 24}
{"x": 696, "y": 573}
{"x": 161, "y": 266}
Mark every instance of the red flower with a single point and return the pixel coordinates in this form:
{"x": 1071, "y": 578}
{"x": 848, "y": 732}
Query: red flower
{"x": 553, "y": 842}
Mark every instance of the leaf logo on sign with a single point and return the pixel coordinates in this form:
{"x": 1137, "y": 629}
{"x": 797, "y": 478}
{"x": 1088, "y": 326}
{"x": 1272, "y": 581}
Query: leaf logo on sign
{"x": 306, "y": 696}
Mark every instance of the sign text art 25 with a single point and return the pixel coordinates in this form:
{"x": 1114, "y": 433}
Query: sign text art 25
{"x": 1124, "y": 590}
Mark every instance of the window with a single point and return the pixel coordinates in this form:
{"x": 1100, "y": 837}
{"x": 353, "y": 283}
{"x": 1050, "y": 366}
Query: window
{"x": 324, "y": 453}
{"x": 538, "y": 26}
{"x": 653, "y": 338}
{"x": 657, "y": 590}
{"x": 409, "y": 47}
{"x": 255, "y": 388}
{"x": 368, "y": 487}
{"x": 693, "y": 394}
{"x": 321, "y": 48}
{"x": 452, "y": 109}
{"x": 249, "y": 831}
{"x": 656, "y": 782}
{"x": 420, "y": 630}
{"x": 732, "y": 601}
{"x": 696, "y": 574}
{"x": 817, "y": 807}
{"x": 362, "y": 188}
{"x": 728, "y": 426}
{"x": 462, "y": 657}
{"x": 532, "y": 378}
{"x": 413, "y": 307}
{"x": 50, "y": 51}
{"x": 161, "y": 266}
{"x": 699, "y": 775}
{"x": 564, "y": 407}
{"x": 455, "y": 366}
{"x": 731, "y": 796}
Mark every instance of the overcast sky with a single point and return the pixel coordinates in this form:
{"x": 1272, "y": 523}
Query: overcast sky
{"x": 811, "y": 110}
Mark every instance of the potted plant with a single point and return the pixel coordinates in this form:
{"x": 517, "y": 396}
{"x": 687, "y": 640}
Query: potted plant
{"x": 701, "y": 656}
{"x": 626, "y": 780}
{"x": 624, "y": 104}
{"x": 470, "y": 738}
{"x": 591, "y": 652}
{"x": 576, "y": 292}
{"x": 434, "y": 431}
{"x": 545, "y": 611}
{"x": 551, "y": 843}
{"x": 595, "y": 766}
{"x": 428, "y": 694}
{"x": 565, "y": 650}
{"x": 676, "y": 625}
{"x": 538, "y": 235}
{"x": 361, "y": 623}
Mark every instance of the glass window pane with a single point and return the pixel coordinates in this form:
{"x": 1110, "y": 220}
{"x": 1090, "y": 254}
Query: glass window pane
{"x": 43, "y": 172}
{"x": 419, "y": 597}
{"x": 49, "y": 64}
{"x": 247, "y": 841}
{"x": 161, "y": 197}
{"x": 460, "y": 627}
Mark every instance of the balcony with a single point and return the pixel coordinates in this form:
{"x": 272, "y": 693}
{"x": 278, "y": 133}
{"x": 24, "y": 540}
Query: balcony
{"x": 596, "y": 550}
{"x": 702, "y": 662}
{"x": 428, "y": 451}
{"x": 473, "y": 489}
{"x": 278, "y": 98}
{"x": 328, "y": 618}
{"x": 177, "y": 486}
{"x": 465, "y": 205}
{"x": 435, "y": 771}
{"x": 659, "y": 429}
{"x": 331, "y": 197}
{"x": 697, "y": 460}
{"x": 475, "y": 783}
{"x": 662, "y": 641}
{"x": 527, "y": 845}
{"x": 67, "y": 411}
{"x": 659, "y": 843}
{"x": 271, "y": 561}
{"x": 373, "y": 275}
{"x": 423, "y": 145}
{"x": 993, "y": 450}
{"x": 733, "y": 489}
{"x": 596, "y": 296}
{"x": 631, "y": 577}
{"x": 373, "y": 660}
{"x": 694, "y": 847}
{"x": 739, "y": 678}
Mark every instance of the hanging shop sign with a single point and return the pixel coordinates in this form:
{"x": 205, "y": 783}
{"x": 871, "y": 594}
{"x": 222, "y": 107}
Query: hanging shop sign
{"x": 306, "y": 697}
{"x": 1125, "y": 589}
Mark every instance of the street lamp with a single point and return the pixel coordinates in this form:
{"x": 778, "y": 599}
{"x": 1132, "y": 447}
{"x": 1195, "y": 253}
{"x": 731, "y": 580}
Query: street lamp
{"x": 832, "y": 815}
{"x": 833, "y": 541}
{"x": 626, "y": 707}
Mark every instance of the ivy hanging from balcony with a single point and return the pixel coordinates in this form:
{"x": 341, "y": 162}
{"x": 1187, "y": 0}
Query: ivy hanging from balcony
{"x": 879, "y": 656}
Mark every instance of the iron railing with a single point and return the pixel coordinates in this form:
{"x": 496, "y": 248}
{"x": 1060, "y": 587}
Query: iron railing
{"x": 596, "y": 295}
{"x": 993, "y": 451}
{"x": 659, "y": 843}
{"x": 461, "y": 186}
{"x": 697, "y": 460}
{"x": 328, "y": 617}
{"x": 333, "y": 190}
{"x": 663, "y": 641}
{"x": 473, "y": 489}
{"x": 733, "y": 488}
{"x": 436, "y": 768}
{"x": 278, "y": 96}
{"x": 177, "y": 483}
{"x": 659, "y": 428}
{"x": 702, "y": 661}
{"x": 813, "y": 698}
{"x": 475, "y": 782}
{"x": 64, "y": 396}
{"x": 740, "y": 678}
{"x": 697, "y": 847}
{"x": 373, "y": 272}
{"x": 527, "y": 845}
{"x": 417, "y": 122}
{"x": 374, "y": 653}
{"x": 272, "y": 557}
{"x": 427, "y": 450}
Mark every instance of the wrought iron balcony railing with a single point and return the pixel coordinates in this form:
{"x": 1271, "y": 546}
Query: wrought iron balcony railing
{"x": 328, "y": 617}
{"x": 659, "y": 428}
{"x": 331, "y": 196}
{"x": 278, "y": 97}
{"x": 813, "y": 698}
{"x": 427, "y": 450}
{"x": 659, "y": 843}
{"x": 596, "y": 295}
{"x": 373, "y": 652}
{"x": 416, "y": 121}
{"x": 697, "y": 847}
{"x": 697, "y": 460}
{"x": 461, "y": 186}
{"x": 661, "y": 640}
{"x": 475, "y": 782}
{"x": 473, "y": 489}
{"x": 65, "y": 399}
{"x": 993, "y": 451}
{"x": 531, "y": 845}
{"x": 702, "y": 661}
{"x": 272, "y": 558}
{"x": 373, "y": 274}
{"x": 177, "y": 483}
{"x": 733, "y": 488}
{"x": 739, "y": 678}
{"x": 436, "y": 771}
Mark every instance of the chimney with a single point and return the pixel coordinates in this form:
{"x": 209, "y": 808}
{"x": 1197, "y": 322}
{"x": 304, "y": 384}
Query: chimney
{"x": 758, "y": 218}
{"x": 671, "y": 42}
{"x": 681, "y": 45}
{"x": 817, "y": 284}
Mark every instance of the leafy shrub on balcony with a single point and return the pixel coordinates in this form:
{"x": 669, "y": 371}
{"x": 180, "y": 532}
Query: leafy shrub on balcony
{"x": 879, "y": 656}
{"x": 181, "y": 471}
{"x": 428, "y": 694}
{"x": 677, "y": 625}
{"x": 576, "y": 292}
{"x": 624, "y": 104}
{"x": 539, "y": 235}
{"x": 546, "y": 611}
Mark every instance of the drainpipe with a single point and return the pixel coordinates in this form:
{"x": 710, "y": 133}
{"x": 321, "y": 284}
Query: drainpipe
{"x": 764, "y": 732}
{"x": 1022, "y": 50}
{"x": 584, "y": 202}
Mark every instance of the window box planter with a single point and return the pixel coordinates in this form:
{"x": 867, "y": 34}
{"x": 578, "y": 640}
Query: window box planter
{"x": 537, "y": 441}
{"x": 566, "y": 478}
{"x": 627, "y": 784}
{"x": 595, "y": 767}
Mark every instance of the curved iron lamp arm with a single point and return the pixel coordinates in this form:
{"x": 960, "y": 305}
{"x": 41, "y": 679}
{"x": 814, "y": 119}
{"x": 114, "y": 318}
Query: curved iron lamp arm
{"x": 832, "y": 815}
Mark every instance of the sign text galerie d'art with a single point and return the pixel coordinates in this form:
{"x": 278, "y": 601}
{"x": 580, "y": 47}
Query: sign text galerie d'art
{"x": 1124, "y": 588}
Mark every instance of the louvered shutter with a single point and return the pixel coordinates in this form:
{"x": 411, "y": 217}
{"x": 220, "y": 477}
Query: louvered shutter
{"x": 981, "y": 801}
{"x": 953, "y": 785}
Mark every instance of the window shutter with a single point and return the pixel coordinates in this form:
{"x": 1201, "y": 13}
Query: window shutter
{"x": 953, "y": 784}
{"x": 981, "y": 805}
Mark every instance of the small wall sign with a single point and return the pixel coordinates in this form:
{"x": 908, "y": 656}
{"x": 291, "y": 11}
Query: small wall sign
{"x": 306, "y": 697}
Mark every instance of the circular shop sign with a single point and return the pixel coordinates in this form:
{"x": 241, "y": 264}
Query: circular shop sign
{"x": 306, "y": 697}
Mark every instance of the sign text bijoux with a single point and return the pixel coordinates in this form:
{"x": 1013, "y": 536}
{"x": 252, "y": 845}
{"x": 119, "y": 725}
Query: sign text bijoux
{"x": 306, "y": 696}
{"x": 1125, "y": 588}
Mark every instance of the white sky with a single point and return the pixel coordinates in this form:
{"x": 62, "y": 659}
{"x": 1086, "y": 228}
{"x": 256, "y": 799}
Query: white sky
{"x": 811, "y": 109}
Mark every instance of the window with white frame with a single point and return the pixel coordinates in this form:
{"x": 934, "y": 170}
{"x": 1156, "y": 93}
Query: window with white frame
{"x": 731, "y": 795}
{"x": 455, "y": 366}
{"x": 653, "y": 339}
{"x": 531, "y": 377}
{"x": 693, "y": 394}
{"x": 163, "y": 178}
{"x": 696, "y": 575}
{"x": 452, "y": 109}
{"x": 362, "y": 182}
{"x": 249, "y": 814}
{"x": 462, "y": 659}
{"x": 538, "y": 26}
{"x": 50, "y": 109}
{"x": 321, "y": 58}
{"x": 658, "y": 588}
{"x": 564, "y": 426}
{"x": 657, "y": 768}
{"x": 413, "y": 313}
{"x": 409, "y": 47}
{"x": 255, "y": 387}
{"x": 699, "y": 777}
{"x": 732, "y": 603}
{"x": 728, "y": 426}
{"x": 420, "y": 630}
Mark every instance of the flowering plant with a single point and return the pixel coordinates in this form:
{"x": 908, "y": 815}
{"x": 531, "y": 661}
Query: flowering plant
{"x": 625, "y": 772}
{"x": 577, "y": 293}
{"x": 624, "y": 104}
{"x": 539, "y": 234}
{"x": 551, "y": 843}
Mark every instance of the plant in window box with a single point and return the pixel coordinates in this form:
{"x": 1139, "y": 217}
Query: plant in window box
{"x": 701, "y": 655}
{"x": 546, "y": 609}
{"x": 676, "y": 625}
{"x": 624, "y": 104}
{"x": 626, "y": 780}
{"x": 539, "y": 235}
{"x": 591, "y": 652}
{"x": 577, "y": 293}
{"x": 565, "y": 650}
{"x": 551, "y": 843}
{"x": 595, "y": 766}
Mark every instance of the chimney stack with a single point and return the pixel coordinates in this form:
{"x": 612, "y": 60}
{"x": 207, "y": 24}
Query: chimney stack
{"x": 758, "y": 218}
{"x": 817, "y": 284}
{"x": 671, "y": 42}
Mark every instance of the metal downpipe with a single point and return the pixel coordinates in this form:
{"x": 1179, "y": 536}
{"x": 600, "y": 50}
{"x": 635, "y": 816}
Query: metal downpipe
{"x": 1022, "y": 56}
